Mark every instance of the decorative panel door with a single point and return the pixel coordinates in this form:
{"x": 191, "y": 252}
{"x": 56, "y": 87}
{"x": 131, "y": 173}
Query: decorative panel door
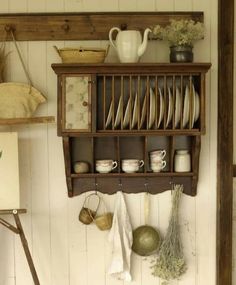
{"x": 76, "y": 96}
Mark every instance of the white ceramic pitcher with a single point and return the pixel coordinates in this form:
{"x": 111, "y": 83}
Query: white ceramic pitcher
{"x": 129, "y": 44}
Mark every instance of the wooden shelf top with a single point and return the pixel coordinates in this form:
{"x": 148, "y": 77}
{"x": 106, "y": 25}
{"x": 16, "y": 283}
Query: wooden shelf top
{"x": 135, "y": 68}
{"x": 91, "y": 25}
{"x": 33, "y": 120}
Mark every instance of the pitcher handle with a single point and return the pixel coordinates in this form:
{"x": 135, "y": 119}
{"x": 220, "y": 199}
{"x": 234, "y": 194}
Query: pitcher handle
{"x": 110, "y": 36}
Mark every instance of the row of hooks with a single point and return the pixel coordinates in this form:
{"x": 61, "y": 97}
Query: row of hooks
{"x": 121, "y": 185}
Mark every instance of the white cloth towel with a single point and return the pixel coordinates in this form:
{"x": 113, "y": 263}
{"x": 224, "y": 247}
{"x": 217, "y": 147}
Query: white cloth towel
{"x": 121, "y": 238}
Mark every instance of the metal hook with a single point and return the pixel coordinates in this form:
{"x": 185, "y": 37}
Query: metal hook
{"x": 171, "y": 184}
{"x": 146, "y": 184}
{"x": 120, "y": 184}
{"x": 96, "y": 185}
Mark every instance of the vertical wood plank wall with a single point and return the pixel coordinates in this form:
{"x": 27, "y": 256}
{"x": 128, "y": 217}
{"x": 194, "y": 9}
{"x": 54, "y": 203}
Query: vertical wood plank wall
{"x": 66, "y": 252}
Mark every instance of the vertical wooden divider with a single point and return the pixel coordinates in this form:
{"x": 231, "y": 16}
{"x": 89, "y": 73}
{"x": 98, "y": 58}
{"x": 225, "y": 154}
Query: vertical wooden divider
{"x": 104, "y": 102}
{"x": 131, "y": 102}
{"x": 172, "y": 152}
{"x": 148, "y": 101}
{"x": 139, "y": 111}
{"x": 156, "y": 102}
{"x": 173, "y": 101}
{"x": 181, "y": 101}
{"x": 122, "y": 101}
{"x": 93, "y": 155}
{"x": 113, "y": 100}
{"x": 195, "y": 153}
{"x": 202, "y": 105}
{"x": 145, "y": 154}
{"x": 67, "y": 158}
{"x": 118, "y": 153}
{"x": 93, "y": 110}
{"x": 165, "y": 102}
{"x": 190, "y": 102}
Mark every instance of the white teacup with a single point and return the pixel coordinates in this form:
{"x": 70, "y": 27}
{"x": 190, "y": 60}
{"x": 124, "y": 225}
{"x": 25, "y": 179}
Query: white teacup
{"x": 157, "y": 155}
{"x": 158, "y": 165}
{"x": 131, "y": 165}
{"x": 105, "y": 165}
{"x": 81, "y": 167}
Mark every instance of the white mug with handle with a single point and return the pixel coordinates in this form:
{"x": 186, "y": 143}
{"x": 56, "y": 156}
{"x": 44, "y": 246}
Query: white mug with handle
{"x": 158, "y": 166}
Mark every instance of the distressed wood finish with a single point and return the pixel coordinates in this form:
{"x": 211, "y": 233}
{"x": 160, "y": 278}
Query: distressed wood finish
{"x": 67, "y": 159}
{"x": 225, "y": 141}
{"x": 110, "y": 81}
{"x": 234, "y": 170}
{"x": 82, "y": 26}
{"x": 19, "y": 230}
{"x": 134, "y": 68}
{"x": 33, "y": 120}
{"x": 10, "y": 211}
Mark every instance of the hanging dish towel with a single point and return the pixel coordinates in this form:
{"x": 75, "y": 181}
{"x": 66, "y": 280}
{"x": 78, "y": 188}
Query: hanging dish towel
{"x": 121, "y": 238}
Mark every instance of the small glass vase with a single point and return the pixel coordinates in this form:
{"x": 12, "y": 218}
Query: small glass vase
{"x": 181, "y": 54}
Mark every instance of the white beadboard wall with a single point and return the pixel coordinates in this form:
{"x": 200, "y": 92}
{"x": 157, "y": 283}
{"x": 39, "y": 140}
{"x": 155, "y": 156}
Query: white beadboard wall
{"x": 64, "y": 251}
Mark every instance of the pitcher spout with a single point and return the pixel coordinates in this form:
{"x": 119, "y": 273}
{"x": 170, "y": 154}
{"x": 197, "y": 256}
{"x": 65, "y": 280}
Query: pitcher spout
{"x": 143, "y": 46}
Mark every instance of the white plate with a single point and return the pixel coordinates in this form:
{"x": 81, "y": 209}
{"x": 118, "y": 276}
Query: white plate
{"x": 186, "y": 107}
{"x": 135, "y": 112}
{"x": 170, "y": 107}
{"x": 152, "y": 108}
{"x": 144, "y": 110}
{"x": 177, "y": 106}
{"x": 193, "y": 106}
{"x": 197, "y": 106}
{"x": 109, "y": 116}
{"x": 162, "y": 107}
{"x": 127, "y": 114}
{"x": 118, "y": 114}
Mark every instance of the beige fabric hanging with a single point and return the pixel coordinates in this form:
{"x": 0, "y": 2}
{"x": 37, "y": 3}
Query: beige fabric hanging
{"x": 19, "y": 100}
{"x": 121, "y": 238}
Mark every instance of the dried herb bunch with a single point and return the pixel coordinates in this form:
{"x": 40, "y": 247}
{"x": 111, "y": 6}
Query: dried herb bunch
{"x": 180, "y": 32}
{"x": 169, "y": 263}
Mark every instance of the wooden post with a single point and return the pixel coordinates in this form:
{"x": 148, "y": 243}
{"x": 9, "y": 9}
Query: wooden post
{"x": 19, "y": 230}
{"x": 225, "y": 141}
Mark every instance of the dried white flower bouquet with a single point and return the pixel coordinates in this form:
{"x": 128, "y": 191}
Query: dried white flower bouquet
{"x": 170, "y": 263}
{"x": 180, "y": 32}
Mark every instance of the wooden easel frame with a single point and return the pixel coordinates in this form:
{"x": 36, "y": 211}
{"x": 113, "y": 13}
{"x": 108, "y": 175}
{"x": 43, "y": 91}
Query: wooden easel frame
{"x": 19, "y": 230}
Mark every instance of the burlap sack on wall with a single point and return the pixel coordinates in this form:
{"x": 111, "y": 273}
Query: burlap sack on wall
{"x": 19, "y": 100}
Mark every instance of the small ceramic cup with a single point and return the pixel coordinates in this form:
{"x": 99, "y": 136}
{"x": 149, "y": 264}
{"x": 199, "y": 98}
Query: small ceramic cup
{"x": 132, "y": 165}
{"x": 81, "y": 167}
{"x": 158, "y": 165}
{"x": 105, "y": 165}
{"x": 157, "y": 155}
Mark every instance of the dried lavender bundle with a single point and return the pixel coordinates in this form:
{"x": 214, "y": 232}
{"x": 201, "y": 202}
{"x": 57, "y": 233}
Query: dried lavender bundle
{"x": 169, "y": 263}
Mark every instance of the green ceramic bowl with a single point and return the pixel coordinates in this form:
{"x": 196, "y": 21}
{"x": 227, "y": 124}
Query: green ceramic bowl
{"x": 146, "y": 240}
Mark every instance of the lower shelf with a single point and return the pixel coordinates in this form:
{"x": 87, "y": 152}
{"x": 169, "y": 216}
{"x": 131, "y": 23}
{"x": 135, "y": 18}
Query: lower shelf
{"x": 137, "y": 174}
{"x": 130, "y": 183}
